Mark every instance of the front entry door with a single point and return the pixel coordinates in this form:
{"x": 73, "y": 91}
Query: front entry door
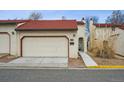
{"x": 81, "y": 44}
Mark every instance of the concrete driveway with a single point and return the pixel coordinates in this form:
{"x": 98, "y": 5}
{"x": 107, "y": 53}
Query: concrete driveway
{"x": 38, "y": 61}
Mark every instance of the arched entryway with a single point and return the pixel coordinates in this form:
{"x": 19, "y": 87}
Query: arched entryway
{"x": 81, "y": 44}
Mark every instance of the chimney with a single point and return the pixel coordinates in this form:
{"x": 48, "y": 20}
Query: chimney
{"x": 83, "y": 20}
{"x": 63, "y": 18}
{"x": 91, "y": 21}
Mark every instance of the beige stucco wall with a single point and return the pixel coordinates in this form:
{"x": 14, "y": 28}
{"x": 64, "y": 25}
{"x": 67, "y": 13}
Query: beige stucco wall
{"x": 81, "y": 33}
{"x": 73, "y": 49}
{"x": 119, "y": 42}
{"x": 10, "y": 29}
{"x": 99, "y": 34}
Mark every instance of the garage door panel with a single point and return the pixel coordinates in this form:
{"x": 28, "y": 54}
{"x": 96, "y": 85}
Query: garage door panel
{"x": 45, "y": 46}
{"x": 4, "y": 43}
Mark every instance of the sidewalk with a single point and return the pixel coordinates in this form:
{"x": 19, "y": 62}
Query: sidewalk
{"x": 87, "y": 59}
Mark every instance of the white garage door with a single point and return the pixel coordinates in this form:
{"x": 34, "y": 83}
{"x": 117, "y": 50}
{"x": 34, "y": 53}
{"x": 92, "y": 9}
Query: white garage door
{"x": 4, "y": 43}
{"x": 45, "y": 47}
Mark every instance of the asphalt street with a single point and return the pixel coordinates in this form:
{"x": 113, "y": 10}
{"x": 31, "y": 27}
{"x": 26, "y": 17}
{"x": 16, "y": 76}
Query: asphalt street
{"x": 61, "y": 75}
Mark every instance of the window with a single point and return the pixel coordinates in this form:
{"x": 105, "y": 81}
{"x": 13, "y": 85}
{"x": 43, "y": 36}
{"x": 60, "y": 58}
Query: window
{"x": 80, "y": 44}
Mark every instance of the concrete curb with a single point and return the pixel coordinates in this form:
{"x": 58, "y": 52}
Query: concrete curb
{"x": 60, "y": 68}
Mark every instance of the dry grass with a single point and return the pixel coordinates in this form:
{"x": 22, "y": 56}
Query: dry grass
{"x": 105, "y": 51}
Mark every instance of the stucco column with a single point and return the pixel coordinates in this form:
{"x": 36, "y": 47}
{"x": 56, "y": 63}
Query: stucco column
{"x": 91, "y": 34}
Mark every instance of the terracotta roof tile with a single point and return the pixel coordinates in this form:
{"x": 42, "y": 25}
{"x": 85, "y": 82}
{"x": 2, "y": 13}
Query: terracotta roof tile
{"x": 109, "y": 25}
{"x": 122, "y": 27}
{"x": 48, "y": 25}
{"x": 103, "y": 25}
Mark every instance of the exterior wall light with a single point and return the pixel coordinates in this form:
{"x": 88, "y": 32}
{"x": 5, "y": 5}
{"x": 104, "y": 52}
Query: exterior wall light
{"x": 74, "y": 35}
{"x": 13, "y": 33}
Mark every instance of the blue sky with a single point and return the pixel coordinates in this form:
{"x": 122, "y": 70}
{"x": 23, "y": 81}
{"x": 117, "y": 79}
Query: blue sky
{"x": 56, "y": 14}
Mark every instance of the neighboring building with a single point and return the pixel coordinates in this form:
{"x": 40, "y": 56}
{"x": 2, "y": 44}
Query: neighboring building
{"x": 113, "y": 34}
{"x": 42, "y": 38}
{"x": 8, "y": 36}
{"x": 119, "y": 41}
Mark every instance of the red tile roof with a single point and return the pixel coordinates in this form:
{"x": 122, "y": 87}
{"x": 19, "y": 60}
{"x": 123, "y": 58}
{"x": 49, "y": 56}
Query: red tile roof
{"x": 103, "y": 25}
{"x": 122, "y": 27}
{"x": 109, "y": 25}
{"x": 12, "y": 21}
{"x": 48, "y": 25}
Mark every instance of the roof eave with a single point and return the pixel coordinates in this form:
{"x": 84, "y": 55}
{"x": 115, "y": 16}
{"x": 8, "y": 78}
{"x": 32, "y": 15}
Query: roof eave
{"x": 75, "y": 29}
{"x": 8, "y": 23}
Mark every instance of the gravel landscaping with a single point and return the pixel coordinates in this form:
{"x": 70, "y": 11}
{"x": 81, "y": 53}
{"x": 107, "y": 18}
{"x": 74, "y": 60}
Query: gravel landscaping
{"x": 113, "y": 61}
{"x": 7, "y": 59}
{"x": 76, "y": 63}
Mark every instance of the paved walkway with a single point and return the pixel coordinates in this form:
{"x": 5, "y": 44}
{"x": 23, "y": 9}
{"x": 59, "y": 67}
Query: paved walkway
{"x": 87, "y": 59}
